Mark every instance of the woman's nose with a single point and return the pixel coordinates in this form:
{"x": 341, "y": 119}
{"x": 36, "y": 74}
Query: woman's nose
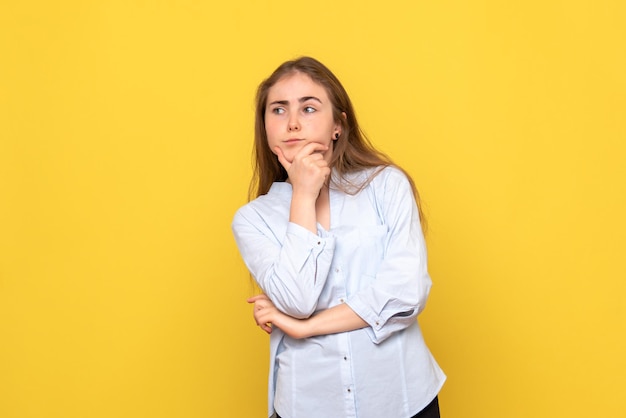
{"x": 293, "y": 125}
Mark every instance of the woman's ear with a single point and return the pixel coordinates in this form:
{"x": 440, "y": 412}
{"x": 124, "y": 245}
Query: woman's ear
{"x": 340, "y": 125}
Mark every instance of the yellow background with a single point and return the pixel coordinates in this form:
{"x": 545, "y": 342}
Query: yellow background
{"x": 125, "y": 139}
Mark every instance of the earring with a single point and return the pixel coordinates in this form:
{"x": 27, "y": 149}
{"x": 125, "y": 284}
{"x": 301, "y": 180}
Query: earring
{"x": 336, "y": 136}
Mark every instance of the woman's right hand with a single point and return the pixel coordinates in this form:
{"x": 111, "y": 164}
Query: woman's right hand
{"x": 308, "y": 171}
{"x": 266, "y": 316}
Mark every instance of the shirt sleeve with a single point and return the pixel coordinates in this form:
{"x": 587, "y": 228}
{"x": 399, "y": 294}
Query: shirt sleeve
{"x": 291, "y": 269}
{"x": 399, "y": 292}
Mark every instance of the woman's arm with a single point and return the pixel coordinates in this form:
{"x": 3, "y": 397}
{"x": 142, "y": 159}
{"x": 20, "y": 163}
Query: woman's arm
{"x": 289, "y": 263}
{"x": 307, "y": 173}
{"x": 340, "y": 318}
{"x": 289, "y": 260}
{"x": 391, "y": 302}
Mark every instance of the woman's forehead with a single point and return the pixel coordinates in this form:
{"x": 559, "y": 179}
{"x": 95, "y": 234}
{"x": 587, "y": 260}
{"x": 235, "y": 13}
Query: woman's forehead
{"x": 295, "y": 86}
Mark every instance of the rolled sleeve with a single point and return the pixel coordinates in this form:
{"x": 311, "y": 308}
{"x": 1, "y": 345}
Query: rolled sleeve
{"x": 291, "y": 269}
{"x": 387, "y": 314}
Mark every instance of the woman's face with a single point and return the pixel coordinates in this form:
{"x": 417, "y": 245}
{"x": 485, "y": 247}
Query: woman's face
{"x": 299, "y": 112}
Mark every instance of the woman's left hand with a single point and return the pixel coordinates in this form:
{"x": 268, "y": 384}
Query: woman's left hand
{"x": 267, "y": 315}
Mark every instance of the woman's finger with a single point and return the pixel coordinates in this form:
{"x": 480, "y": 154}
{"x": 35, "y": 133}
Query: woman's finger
{"x": 256, "y": 298}
{"x": 313, "y": 148}
{"x": 266, "y": 327}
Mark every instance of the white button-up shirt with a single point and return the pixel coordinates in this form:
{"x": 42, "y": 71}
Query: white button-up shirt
{"x": 373, "y": 258}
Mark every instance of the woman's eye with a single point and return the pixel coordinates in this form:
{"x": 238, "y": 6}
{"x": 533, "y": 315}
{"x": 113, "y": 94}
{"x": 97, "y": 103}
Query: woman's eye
{"x": 309, "y": 109}
{"x": 278, "y": 110}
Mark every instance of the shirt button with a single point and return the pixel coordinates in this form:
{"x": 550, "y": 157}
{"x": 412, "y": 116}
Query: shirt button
{"x": 345, "y": 358}
{"x": 337, "y": 270}
{"x": 319, "y": 242}
{"x": 349, "y": 390}
{"x": 377, "y": 323}
{"x": 341, "y": 300}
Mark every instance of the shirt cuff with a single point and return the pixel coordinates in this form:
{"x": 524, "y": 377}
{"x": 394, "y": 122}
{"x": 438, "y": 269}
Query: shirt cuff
{"x": 383, "y": 324}
{"x": 323, "y": 240}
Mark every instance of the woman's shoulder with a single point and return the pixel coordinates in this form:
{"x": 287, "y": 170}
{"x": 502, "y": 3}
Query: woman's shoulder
{"x": 383, "y": 176}
{"x": 369, "y": 173}
{"x": 376, "y": 180}
{"x": 278, "y": 197}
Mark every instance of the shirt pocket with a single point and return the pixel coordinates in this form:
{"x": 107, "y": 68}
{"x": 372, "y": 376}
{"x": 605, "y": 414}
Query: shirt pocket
{"x": 371, "y": 249}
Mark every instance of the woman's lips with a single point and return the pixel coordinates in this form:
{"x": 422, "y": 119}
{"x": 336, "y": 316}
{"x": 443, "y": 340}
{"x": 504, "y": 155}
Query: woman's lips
{"x": 293, "y": 140}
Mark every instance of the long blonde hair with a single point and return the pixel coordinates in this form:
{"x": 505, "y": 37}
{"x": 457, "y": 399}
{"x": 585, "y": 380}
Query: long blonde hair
{"x": 352, "y": 152}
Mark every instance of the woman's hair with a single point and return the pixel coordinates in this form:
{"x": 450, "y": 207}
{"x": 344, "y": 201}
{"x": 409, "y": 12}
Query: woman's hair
{"x": 352, "y": 152}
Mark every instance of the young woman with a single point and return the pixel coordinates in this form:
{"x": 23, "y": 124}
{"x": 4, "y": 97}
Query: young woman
{"x": 334, "y": 240}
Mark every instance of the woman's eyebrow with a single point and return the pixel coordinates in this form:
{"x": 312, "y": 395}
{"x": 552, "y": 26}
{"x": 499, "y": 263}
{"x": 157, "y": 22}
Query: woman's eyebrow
{"x": 307, "y": 98}
{"x": 301, "y": 100}
{"x": 279, "y": 102}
